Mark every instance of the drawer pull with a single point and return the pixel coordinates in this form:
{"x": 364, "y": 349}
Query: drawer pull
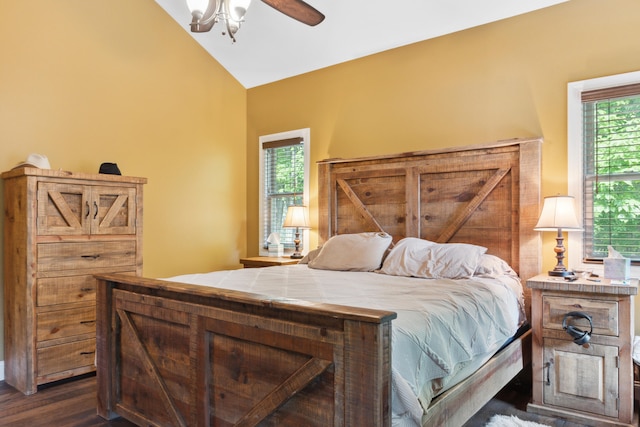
{"x": 87, "y": 322}
{"x": 95, "y": 206}
{"x": 88, "y": 210}
{"x": 90, "y": 256}
{"x": 547, "y": 366}
{"x": 84, "y": 353}
{"x": 86, "y": 289}
{"x": 579, "y": 336}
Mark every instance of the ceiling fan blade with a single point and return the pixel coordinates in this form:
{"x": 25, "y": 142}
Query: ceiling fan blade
{"x": 298, "y": 10}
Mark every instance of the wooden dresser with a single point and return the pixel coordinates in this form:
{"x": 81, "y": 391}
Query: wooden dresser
{"x": 590, "y": 383}
{"x": 60, "y": 228}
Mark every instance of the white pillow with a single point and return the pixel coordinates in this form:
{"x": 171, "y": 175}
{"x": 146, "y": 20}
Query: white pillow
{"x": 310, "y": 256}
{"x": 415, "y": 257}
{"x": 491, "y": 265}
{"x": 352, "y": 252}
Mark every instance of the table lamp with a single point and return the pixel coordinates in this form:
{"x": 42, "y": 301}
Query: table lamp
{"x": 558, "y": 213}
{"x": 297, "y": 217}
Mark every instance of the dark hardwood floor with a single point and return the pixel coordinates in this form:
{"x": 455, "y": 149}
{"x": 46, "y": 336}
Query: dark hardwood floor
{"x": 63, "y": 404}
{"x": 72, "y": 403}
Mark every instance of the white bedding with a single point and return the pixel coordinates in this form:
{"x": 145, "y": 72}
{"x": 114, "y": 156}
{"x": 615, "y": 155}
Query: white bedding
{"x": 444, "y": 331}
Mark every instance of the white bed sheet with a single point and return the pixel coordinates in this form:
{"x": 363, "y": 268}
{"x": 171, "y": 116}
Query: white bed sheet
{"x": 444, "y": 331}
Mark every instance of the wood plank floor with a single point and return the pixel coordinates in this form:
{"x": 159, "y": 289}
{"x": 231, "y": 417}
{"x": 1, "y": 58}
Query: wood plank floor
{"x": 72, "y": 403}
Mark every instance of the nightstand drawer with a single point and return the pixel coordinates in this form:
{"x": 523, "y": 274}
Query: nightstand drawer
{"x": 604, "y": 313}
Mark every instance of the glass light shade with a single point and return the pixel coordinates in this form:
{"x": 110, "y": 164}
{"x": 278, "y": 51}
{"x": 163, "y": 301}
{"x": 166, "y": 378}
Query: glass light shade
{"x": 237, "y": 9}
{"x": 198, "y": 6}
{"x": 558, "y": 212}
{"x": 297, "y": 217}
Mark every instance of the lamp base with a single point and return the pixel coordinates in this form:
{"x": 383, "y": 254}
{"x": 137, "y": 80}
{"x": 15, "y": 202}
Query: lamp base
{"x": 296, "y": 256}
{"x": 558, "y": 273}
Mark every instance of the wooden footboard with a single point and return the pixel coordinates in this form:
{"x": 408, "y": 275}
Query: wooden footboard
{"x": 171, "y": 354}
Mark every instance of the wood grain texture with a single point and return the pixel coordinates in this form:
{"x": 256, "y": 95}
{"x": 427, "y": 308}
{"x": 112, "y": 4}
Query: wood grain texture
{"x": 593, "y": 383}
{"x": 486, "y": 195}
{"x": 299, "y": 361}
{"x": 61, "y": 228}
{"x": 71, "y": 403}
{"x": 221, "y": 357}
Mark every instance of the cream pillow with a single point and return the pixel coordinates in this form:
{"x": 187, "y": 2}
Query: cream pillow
{"x": 491, "y": 265}
{"x": 310, "y": 256}
{"x": 352, "y": 252}
{"x": 415, "y": 257}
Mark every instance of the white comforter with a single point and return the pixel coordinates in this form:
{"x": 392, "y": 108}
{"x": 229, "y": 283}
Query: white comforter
{"x": 445, "y": 329}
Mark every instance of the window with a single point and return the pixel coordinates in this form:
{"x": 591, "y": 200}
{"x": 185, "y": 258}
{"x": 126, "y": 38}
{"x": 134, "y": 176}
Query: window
{"x": 604, "y": 168}
{"x": 284, "y": 181}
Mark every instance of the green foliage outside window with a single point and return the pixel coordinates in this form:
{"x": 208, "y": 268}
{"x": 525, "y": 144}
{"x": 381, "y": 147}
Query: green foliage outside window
{"x": 284, "y": 186}
{"x": 612, "y": 177}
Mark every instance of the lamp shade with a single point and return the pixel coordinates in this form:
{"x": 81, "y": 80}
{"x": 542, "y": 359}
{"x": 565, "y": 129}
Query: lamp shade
{"x": 237, "y": 9}
{"x": 558, "y": 212}
{"x": 297, "y": 217}
{"x": 198, "y": 5}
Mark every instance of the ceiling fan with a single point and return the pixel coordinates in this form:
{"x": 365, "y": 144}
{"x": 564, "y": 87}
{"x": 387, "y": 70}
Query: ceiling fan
{"x": 205, "y": 13}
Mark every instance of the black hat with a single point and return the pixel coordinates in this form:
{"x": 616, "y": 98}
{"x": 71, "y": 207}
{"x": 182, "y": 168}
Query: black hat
{"x": 110, "y": 168}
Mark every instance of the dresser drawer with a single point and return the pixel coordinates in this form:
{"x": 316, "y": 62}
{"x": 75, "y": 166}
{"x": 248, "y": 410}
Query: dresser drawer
{"x": 604, "y": 314}
{"x": 70, "y": 289}
{"x": 65, "y": 357}
{"x": 85, "y": 255}
{"x": 66, "y": 323}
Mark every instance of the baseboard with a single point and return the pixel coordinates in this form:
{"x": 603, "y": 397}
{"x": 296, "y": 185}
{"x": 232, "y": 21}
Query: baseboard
{"x": 1, "y": 370}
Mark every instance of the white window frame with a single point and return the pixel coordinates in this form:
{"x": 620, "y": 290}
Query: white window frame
{"x": 305, "y": 134}
{"x": 575, "y": 159}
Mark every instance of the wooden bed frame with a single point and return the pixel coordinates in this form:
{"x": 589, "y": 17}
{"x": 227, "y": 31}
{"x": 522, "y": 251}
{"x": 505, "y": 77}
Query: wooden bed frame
{"x": 171, "y": 354}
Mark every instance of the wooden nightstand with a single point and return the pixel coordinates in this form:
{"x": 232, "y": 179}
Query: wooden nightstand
{"x": 591, "y": 384}
{"x": 266, "y": 261}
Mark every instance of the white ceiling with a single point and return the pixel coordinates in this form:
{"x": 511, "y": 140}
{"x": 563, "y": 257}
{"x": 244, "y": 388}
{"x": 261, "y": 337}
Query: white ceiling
{"x": 271, "y": 46}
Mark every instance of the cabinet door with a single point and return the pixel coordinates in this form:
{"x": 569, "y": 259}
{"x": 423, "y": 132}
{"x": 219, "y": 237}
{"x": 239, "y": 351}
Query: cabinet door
{"x": 584, "y": 379}
{"x": 63, "y": 209}
{"x": 113, "y": 210}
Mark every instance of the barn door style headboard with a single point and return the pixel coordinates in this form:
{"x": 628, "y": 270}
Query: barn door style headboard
{"x": 488, "y": 195}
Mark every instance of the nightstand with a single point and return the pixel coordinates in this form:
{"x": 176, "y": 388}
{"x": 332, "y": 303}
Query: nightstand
{"x": 586, "y": 382}
{"x": 266, "y": 261}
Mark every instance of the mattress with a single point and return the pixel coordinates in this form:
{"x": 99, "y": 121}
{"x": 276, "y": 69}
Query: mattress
{"x": 444, "y": 331}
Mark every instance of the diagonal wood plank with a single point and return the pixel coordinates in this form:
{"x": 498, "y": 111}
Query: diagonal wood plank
{"x": 113, "y": 210}
{"x": 473, "y": 204}
{"x": 360, "y": 207}
{"x": 153, "y": 374}
{"x": 283, "y": 392}
{"x": 63, "y": 207}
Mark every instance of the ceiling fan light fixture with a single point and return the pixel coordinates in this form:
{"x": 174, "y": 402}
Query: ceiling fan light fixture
{"x": 198, "y": 5}
{"x": 205, "y": 13}
{"x": 237, "y": 9}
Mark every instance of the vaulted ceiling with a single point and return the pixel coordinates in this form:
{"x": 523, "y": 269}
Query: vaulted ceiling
{"x": 271, "y": 46}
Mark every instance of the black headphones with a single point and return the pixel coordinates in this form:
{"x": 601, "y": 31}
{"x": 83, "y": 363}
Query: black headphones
{"x": 580, "y": 337}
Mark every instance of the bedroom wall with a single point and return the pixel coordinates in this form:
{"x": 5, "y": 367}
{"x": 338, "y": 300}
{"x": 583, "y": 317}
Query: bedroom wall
{"x": 498, "y": 81}
{"x": 85, "y": 82}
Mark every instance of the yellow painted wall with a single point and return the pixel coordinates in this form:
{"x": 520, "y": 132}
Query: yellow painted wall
{"x": 85, "y": 82}
{"x": 498, "y": 81}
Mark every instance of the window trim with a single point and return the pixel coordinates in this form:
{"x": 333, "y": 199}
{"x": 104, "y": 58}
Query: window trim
{"x": 575, "y": 159}
{"x": 305, "y": 134}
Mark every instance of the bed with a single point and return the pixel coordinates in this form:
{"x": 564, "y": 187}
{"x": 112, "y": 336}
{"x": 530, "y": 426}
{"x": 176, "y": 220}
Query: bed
{"x": 183, "y": 354}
